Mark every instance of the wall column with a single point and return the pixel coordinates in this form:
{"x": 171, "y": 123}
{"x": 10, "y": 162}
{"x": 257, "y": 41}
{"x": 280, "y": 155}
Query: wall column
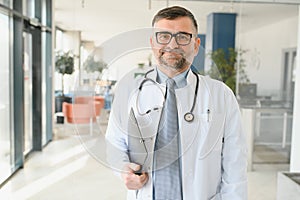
{"x": 220, "y": 33}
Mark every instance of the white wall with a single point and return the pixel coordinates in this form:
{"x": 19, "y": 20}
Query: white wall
{"x": 126, "y": 63}
{"x": 70, "y": 42}
{"x": 264, "y": 56}
{"x": 124, "y": 51}
{"x": 295, "y": 148}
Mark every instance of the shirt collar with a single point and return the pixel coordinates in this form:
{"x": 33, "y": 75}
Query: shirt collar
{"x": 180, "y": 79}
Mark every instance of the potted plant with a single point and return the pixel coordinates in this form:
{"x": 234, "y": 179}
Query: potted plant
{"x": 92, "y": 64}
{"x": 64, "y": 64}
{"x": 225, "y": 65}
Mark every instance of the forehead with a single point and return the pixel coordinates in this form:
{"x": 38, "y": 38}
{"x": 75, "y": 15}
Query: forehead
{"x": 184, "y": 24}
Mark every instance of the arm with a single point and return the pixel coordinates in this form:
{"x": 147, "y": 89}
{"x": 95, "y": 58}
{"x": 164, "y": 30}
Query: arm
{"x": 118, "y": 159}
{"x": 117, "y": 144}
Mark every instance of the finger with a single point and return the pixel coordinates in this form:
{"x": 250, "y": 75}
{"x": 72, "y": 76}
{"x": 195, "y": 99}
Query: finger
{"x": 128, "y": 167}
{"x": 144, "y": 176}
{"x": 134, "y": 166}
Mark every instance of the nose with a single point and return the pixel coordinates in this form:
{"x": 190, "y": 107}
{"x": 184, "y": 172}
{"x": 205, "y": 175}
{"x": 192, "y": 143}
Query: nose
{"x": 173, "y": 44}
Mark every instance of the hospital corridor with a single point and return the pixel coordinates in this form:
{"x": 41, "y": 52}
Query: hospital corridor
{"x": 91, "y": 87}
{"x": 66, "y": 169}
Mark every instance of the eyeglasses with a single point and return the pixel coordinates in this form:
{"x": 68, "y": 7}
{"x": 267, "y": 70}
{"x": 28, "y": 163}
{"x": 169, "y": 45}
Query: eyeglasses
{"x": 181, "y": 38}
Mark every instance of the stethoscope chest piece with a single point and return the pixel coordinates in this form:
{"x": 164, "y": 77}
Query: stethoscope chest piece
{"x": 189, "y": 117}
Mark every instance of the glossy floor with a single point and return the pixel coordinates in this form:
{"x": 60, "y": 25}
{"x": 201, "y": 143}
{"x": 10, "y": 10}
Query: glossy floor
{"x": 66, "y": 169}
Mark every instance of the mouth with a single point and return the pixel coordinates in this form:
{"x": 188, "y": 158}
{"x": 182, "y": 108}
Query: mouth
{"x": 171, "y": 54}
{"x": 174, "y": 58}
{"x": 171, "y": 51}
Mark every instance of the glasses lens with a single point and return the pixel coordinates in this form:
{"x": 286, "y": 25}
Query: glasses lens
{"x": 183, "y": 38}
{"x": 163, "y": 37}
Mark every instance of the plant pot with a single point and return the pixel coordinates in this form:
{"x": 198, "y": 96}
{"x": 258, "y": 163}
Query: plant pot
{"x": 60, "y": 119}
{"x": 59, "y": 101}
{"x": 58, "y": 107}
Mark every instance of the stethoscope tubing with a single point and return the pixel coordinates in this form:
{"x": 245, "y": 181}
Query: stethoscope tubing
{"x": 189, "y": 116}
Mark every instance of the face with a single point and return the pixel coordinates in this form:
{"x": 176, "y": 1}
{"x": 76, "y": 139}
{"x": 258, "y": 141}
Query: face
{"x": 173, "y": 56}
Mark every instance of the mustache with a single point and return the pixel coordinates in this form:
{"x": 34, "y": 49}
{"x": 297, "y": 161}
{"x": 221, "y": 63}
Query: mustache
{"x": 169, "y": 50}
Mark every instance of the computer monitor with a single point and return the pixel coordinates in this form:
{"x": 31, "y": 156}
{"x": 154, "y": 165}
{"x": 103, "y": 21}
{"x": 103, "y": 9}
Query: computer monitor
{"x": 247, "y": 90}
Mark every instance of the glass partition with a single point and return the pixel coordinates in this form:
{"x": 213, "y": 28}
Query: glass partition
{"x": 5, "y": 111}
{"x": 5, "y": 2}
{"x": 28, "y": 8}
{"x": 270, "y": 41}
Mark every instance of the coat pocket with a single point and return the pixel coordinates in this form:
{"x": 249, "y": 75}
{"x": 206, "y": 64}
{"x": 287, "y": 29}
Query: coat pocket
{"x": 211, "y": 130}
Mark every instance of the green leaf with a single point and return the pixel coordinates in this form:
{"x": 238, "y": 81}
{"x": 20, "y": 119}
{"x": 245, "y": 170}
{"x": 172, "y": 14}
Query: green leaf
{"x": 224, "y": 66}
{"x": 64, "y": 63}
{"x": 91, "y": 65}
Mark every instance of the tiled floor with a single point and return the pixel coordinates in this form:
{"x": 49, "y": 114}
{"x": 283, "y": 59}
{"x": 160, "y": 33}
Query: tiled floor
{"x": 67, "y": 169}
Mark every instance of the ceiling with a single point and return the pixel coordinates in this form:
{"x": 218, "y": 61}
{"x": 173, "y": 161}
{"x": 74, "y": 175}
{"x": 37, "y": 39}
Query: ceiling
{"x": 99, "y": 20}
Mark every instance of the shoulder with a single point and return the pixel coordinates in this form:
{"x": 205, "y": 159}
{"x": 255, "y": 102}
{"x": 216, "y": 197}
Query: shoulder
{"x": 129, "y": 81}
{"x": 214, "y": 84}
{"x": 218, "y": 91}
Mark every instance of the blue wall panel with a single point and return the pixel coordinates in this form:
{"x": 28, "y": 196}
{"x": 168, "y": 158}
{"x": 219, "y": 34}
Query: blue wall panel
{"x": 221, "y": 29}
{"x": 198, "y": 63}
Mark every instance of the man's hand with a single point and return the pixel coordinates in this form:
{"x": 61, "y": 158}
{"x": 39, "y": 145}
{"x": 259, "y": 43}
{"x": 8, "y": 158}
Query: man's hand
{"x": 131, "y": 180}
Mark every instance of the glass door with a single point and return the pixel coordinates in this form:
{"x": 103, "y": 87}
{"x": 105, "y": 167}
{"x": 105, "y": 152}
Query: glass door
{"x": 27, "y": 67}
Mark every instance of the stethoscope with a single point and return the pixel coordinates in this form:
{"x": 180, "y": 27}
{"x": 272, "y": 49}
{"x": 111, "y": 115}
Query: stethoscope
{"x": 188, "y": 117}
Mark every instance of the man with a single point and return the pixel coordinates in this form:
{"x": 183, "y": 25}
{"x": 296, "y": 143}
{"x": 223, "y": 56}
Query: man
{"x": 197, "y": 151}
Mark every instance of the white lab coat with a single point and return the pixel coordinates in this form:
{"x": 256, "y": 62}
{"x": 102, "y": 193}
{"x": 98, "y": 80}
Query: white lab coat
{"x": 211, "y": 169}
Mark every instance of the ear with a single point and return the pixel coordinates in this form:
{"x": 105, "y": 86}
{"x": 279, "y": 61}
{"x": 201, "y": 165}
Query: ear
{"x": 151, "y": 42}
{"x": 197, "y": 45}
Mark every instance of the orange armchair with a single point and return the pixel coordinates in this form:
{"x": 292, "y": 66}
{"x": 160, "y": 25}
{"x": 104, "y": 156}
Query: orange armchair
{"x": 87, "y": 99}
{"x": 80, "y": 113}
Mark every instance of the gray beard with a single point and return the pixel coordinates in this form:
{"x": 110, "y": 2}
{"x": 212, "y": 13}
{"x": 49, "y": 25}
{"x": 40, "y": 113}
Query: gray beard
{"x": 177, "y": 65}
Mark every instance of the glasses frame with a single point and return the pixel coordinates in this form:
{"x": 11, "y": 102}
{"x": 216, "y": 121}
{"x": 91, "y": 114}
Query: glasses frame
{"x": 175, "y": 36}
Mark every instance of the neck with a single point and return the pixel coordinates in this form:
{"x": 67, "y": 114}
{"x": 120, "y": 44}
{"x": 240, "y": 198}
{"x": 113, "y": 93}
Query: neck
{"x": 172, "y": 72}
